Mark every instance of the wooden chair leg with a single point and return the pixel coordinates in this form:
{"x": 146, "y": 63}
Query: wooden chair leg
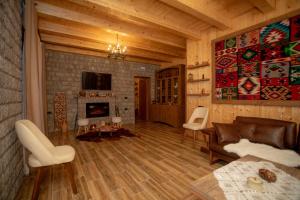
{"x": 194, "y": 133}
{"x": 211, "y": 158}
{"x": 37, "y": 182}
{"x": 70, "y": 173}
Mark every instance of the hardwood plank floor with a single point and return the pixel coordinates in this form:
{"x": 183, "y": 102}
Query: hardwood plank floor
{"x": 154, "y": 166}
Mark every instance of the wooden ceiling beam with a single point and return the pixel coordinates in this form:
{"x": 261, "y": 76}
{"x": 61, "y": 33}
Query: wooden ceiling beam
{"x": 76, "y": 13}
{"x": 133, "y": 11}
{"x": 98, "y": 54}
{"x": 264, "y": 5}
{"x": 93, "y": 34}
{"x": 201, "y": 10}
{"x": 84, "y": 44}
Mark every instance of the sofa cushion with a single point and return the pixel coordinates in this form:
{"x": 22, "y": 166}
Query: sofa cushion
{"x": 226, "y": 132}
{"x": 245, "y": 130}
{"x": 271, "y": 135}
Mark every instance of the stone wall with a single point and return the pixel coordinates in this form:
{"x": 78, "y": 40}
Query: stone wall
{"x": 64, "y": 75}
{"x": 11, "y": 157}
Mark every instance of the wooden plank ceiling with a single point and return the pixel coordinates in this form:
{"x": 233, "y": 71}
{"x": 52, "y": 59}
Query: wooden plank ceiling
{"x": 155, "y": 31}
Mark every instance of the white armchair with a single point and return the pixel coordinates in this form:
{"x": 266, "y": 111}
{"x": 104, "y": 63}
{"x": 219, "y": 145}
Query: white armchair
{"x": 198, "y": 113}
{"x": 44, "y": 153}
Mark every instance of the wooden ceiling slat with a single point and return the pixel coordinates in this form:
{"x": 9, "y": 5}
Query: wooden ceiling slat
{"x": 98, "y": 54}
{"x": 85, "y": 32}
{"x": 84, "y": 44}
{"x": 264, "y": 5}
{"x": 80, "y": 15}
{"x": 201, "y": 10}
{"x": 137, "y": 11}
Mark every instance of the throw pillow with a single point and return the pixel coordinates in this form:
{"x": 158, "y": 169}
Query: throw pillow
{"x": 226, "y": 132}
{"x": 271, "y": 135}
{"x": 245, "y": 130}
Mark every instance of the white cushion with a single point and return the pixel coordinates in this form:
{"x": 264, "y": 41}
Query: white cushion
{"x": 192, "y": 126}
{"x": 61, "y": 154}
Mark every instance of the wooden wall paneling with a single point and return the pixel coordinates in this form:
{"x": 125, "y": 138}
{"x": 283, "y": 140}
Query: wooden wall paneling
{"x": 227, "y": 113}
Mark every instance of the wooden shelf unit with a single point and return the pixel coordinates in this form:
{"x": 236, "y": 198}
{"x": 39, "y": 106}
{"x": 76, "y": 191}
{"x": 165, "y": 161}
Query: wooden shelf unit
{"x": 198, "y": 80}
{"x": 203, "y": 64}
{"x": 200, "y": 94}
{"x": 169, "y": 96}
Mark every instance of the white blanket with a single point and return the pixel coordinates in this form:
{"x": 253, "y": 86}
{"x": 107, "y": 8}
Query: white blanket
{"x": 245, "y": 147}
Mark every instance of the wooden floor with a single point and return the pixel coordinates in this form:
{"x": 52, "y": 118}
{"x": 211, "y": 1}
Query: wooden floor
{"x": 155, "y": 165}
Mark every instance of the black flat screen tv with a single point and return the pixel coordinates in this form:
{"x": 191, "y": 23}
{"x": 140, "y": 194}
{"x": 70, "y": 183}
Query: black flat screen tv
{"x": 96, "y": 81}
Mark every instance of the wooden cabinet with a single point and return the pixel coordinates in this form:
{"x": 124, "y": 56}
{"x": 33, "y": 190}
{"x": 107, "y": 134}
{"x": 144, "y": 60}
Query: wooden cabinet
{"x": 169, "y": 106}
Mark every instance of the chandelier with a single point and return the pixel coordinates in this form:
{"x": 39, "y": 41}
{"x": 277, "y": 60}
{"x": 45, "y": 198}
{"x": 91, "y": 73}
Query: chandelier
{"x": 116, "y": 51}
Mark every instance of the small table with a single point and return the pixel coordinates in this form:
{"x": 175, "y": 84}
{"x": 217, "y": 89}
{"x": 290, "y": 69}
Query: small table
{"x": 207, "y": 187}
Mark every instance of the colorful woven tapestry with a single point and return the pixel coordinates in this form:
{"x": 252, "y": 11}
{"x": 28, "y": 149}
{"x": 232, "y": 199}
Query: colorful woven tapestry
{"x": 293, "y": 48}
{"x": 249, "y": 69}
{"x": 295, "y": 75}
{"x": 274, "y": 50}
{"x": 248, "y": 39}
{"x": 274, "y": 81}
{"x": 275, "y": 93}
{"x": 275, "y": 70}
{"x": 226, "y": 80}
{"x": 229, "y": 93}
{"x": 230, "y": 43}
{"x": 249, "y": 88}
{"x": 261, "y": 64}
{"x": 275, "y": 32}
{"x": 295, "y": 89}
{"x": 295, "y": 28}
{"x": 226, "y": 61}
{"x": 249, "y": 54}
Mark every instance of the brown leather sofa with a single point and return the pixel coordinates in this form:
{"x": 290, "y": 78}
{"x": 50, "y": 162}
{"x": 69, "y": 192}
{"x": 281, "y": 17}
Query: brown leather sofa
{"x": 291, "y": 139}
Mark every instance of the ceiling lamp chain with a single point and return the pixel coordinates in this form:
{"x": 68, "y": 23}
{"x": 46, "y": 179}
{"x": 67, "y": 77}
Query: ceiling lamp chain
{"x": 116, "y": 51}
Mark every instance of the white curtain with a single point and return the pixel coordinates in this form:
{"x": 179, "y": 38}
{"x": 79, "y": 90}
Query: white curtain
{"x": 34, "y": 69}
{"x": 34, "y": 73}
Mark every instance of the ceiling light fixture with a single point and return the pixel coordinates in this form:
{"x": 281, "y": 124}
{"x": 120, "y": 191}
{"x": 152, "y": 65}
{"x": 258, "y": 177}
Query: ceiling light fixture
{"x": 116, "y": 51}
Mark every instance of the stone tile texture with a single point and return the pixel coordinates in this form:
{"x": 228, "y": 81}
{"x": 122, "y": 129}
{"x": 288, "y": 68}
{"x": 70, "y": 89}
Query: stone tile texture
{"x": 63, "y": 72}
{"x": 11, "y": 155}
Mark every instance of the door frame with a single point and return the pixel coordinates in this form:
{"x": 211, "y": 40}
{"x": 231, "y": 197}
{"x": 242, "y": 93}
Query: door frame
{"x": 148, "y": 92}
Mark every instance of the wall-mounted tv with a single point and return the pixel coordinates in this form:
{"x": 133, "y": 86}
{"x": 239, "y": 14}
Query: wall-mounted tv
{"x": 96, "y": 81}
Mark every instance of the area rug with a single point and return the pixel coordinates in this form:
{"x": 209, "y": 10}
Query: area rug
{"x": 94, "y": 136}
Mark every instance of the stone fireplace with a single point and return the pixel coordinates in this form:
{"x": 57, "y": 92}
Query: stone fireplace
{"x": 94, "y": 110}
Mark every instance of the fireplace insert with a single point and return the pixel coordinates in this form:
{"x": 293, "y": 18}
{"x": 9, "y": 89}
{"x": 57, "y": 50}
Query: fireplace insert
{"x": 97, "y": 110}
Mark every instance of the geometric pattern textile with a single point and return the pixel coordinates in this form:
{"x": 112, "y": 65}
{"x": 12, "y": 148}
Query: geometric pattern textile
{"x": 249, "y": 69}
{"x": 248, "y": 39}
{"x": 60, "y": 109}
{"x": 220, "y": 45}
{"x": 274, "y": 81}
{"x": 293, "y": 48}
{"x": 230, "y": 43}
{"x": 232, "y": 179}
{"x": 226, "y": 61}
{"x": 249, "y": 54}
{"x": 295, "y": 28}
{"x": 275, "y": 93}
{"x": 229, "y": 93}
{"x": 274, "y": 50}
{"x": 275, "y": 70}
{"x": 226, "y": 80}
{"x": 275, "y": 32}
{"x": 249, "y": 85}
{"x": 259, "y": 64}
{"x": 295, "y": 89}
{"x": 295, "y": 59}
{"x": 295, "y": 75}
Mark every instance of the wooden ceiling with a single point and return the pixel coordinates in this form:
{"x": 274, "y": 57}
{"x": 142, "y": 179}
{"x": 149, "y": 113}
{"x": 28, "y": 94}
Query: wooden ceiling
{"x": 155, "y": 31}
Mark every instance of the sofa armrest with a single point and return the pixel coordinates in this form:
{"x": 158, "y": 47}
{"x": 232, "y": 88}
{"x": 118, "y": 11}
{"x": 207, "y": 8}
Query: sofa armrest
{"x": 213, "y": 138}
